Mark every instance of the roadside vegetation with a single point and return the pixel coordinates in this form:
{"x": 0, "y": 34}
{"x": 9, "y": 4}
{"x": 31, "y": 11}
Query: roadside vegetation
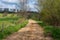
{"x": 50, "y": 16}
{"x": 9, "y": 25}
{"x": 51, "y": 31}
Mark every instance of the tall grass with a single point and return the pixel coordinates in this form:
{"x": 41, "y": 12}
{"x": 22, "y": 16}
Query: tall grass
{"x": 11, "y": 29}
{"x": 51, "y": 31}
{"x": 10, "y": 24}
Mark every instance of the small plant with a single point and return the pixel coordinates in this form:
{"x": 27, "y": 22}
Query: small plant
{"x": 52, "y": 31}
{"x": 10, "y": 25}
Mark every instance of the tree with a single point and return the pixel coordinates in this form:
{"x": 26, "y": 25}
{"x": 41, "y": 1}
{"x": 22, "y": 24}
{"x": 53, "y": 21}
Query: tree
{"x": 51, "y": 12}
{"x": 25, "y": 7}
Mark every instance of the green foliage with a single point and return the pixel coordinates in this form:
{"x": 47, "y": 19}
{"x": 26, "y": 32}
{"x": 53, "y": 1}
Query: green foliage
{"x": 41, "y": 23}
{"x": 5, "y": 19}
{"x": 50, "y": 13}
{"x": 9, "y": 25}
{"x": 11, "y": 29}
{"x": 53, "y": 32}
{"x": 56, "y": 33}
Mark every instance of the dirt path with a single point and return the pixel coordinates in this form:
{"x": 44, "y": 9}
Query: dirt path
{"x": 32, "y": 31}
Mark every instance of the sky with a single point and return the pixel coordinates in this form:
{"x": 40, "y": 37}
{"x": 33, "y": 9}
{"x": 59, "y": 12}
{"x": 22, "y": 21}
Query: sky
{"x": 31, "y": 4}
{"x": 9, "y": 4}
{"x": 12, "y": 1}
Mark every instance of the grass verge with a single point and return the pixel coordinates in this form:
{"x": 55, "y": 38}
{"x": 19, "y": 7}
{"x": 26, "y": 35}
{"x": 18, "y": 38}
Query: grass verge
{"x": 51, "y": 31}
{"x": 11, "y": 29}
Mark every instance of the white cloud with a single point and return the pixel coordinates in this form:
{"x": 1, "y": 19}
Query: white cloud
{"x": 11, "y": 1}
{"x": 3, "y": 5}
{"x": 31, "y": 4}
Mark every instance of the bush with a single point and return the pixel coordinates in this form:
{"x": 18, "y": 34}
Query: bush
{"x": 56, "y": 33}
{"x": 50, "y": 13}
{"x": 52, "y": 31}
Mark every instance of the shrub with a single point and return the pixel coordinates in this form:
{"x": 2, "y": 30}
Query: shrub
{"x": 50, "y": 13}
{"x": 54, "y": 32}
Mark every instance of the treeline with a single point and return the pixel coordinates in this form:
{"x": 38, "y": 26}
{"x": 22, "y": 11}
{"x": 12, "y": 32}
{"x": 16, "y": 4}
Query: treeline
{"x": 50, "y": 12}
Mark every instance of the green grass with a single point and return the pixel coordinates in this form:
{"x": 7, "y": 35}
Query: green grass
{"x": 10, "y": 24}
{"x": 52, "y": 31}
{"x": 8, "y": 15}
{"x": 7, "y": 19}
{"x": 11, "y": 29}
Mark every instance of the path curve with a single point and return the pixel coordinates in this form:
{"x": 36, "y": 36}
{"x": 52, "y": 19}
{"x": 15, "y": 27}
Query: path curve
{"x": 32, "y": 31}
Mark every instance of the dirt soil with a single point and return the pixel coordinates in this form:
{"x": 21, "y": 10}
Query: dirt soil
{"x": 32, "y": 31}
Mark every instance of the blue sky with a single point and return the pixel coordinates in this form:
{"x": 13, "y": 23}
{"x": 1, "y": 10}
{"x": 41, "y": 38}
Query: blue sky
{"x": 31, "y": 4}
{"x": 9, "y": 4}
